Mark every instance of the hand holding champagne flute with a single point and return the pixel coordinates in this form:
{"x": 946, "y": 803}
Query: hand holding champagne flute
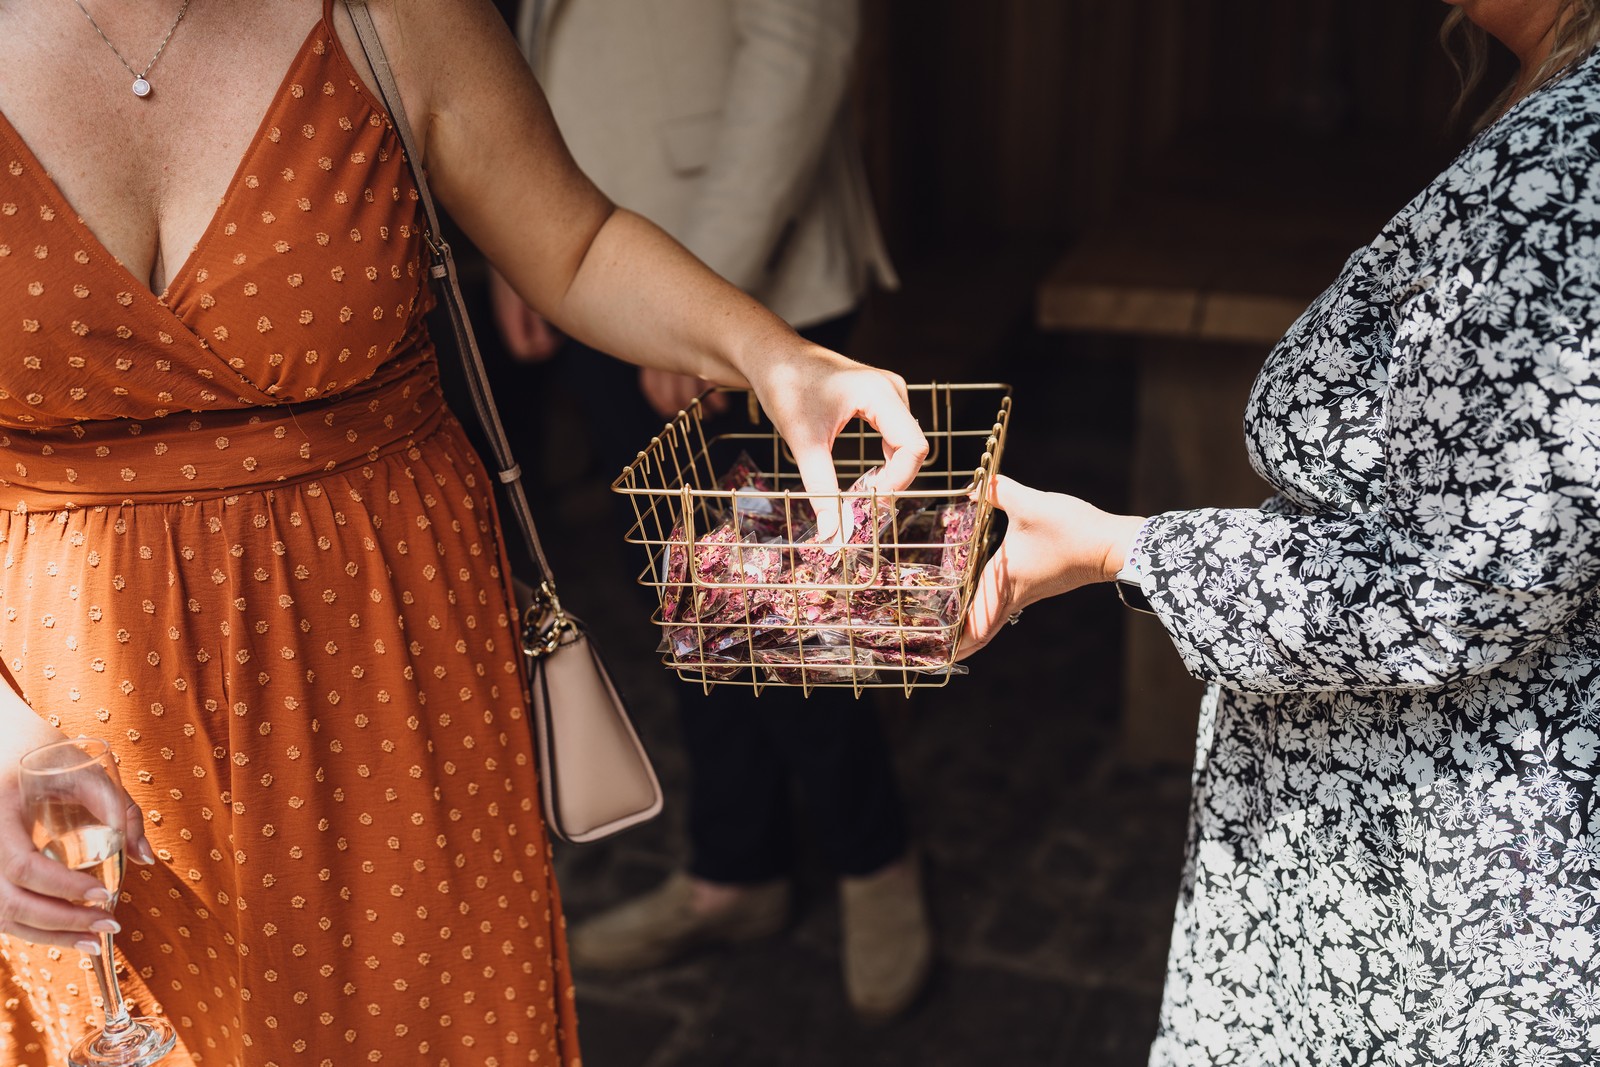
{"x": 82, "y": 819}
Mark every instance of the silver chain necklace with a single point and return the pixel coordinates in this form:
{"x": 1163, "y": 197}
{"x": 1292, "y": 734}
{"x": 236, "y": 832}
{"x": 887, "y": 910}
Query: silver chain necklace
{"x": 141, "y": 83}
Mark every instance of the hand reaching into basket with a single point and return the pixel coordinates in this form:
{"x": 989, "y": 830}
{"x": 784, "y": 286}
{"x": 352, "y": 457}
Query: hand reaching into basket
{"x": 812, "y": 394}
{"x": 1054, "y": 544}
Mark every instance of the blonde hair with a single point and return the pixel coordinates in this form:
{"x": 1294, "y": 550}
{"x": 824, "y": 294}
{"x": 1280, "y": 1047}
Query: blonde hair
{"x": 1577, "y": 34}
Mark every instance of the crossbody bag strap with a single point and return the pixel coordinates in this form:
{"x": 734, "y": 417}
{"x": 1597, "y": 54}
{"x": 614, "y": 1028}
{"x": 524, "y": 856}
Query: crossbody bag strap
{"x": 443, "y": 269}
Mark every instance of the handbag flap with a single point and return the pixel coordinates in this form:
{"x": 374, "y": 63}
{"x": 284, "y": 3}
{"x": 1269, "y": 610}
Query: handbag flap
{"x": 598, "y": 779}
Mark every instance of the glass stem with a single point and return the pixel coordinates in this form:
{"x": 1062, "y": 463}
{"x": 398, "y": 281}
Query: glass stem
{"x": 118, "y": 1022}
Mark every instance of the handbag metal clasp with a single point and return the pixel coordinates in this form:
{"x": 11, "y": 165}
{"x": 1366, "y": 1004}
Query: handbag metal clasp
{"x": 544, "y": 623}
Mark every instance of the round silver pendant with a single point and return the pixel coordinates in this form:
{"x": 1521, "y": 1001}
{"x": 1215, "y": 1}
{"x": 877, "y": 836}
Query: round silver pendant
{"x": 141, "y": 87}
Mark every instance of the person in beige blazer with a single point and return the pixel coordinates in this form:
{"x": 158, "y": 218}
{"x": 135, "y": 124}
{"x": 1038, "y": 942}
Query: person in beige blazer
{"x": 727, "y": 123}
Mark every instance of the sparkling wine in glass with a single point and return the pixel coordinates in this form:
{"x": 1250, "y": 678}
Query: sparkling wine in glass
{"x": 74, "y": 796}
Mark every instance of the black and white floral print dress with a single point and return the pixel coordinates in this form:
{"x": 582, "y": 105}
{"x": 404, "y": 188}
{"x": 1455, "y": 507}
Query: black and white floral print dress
{"x": 1394, "y": 852}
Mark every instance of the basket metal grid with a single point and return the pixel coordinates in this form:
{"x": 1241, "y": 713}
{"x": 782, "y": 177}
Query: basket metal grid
{"x": 776, "y": 607}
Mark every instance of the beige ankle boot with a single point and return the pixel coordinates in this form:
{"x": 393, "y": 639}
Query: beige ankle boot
{"x": 662, "y": 925}
{"x": 888, "y": 948}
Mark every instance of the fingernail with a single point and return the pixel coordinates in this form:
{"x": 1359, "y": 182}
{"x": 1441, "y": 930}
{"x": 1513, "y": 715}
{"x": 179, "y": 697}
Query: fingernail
{"x": 88, "y": 948}
{"x": 106, "y": 926}
{"x": 144, "y": 854}
{"x": 98, "y": 896}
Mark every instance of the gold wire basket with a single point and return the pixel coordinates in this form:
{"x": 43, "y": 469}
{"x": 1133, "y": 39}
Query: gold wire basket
{"x": 747, "y": 593}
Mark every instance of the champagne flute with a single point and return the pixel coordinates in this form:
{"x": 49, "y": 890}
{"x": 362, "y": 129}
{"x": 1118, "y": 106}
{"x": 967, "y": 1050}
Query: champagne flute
{"x": 74, "y": 796}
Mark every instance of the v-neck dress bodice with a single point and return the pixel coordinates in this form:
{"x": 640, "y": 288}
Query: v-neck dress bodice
{"x": 306, "y": 289}
{"x": 243, "y": 538}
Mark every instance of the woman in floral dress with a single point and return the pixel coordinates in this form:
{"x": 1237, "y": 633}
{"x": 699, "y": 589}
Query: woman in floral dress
{"x": 1394, "y": 847}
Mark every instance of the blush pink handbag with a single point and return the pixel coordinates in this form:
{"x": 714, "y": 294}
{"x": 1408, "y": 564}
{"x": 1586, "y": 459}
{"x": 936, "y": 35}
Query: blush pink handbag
{"x": 595, "y": 776}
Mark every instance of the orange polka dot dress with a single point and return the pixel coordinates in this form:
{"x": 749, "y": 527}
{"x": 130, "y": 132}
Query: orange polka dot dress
{"x": 242, "y": 538}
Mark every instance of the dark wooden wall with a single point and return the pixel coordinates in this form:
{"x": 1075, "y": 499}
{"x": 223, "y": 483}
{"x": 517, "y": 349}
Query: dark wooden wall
{"x": 1026, "y": 118}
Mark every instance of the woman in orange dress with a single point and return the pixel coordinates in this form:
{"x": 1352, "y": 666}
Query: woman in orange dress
{"x": 245, "y": 541}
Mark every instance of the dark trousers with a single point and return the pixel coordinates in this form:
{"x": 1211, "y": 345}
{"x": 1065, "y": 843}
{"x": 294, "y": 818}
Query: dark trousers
{"x": 749, "y": 756}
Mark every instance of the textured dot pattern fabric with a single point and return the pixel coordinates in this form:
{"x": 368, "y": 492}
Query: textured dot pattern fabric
{"x": 243, "y": 539}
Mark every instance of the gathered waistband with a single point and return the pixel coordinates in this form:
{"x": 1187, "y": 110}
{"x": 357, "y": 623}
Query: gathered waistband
{"x": 192, "y": 455}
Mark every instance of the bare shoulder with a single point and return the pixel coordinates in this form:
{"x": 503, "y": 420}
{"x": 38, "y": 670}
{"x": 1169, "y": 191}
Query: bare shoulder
{"x": 439, "y": 50}
{"x": 422, "y": 28}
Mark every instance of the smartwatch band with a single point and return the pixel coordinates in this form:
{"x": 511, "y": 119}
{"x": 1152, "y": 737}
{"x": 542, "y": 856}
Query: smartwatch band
{"x": 1131, "y": 590}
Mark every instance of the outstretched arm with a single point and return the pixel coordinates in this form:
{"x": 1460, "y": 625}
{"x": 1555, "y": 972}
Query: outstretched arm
{"x": 604, "y": 275}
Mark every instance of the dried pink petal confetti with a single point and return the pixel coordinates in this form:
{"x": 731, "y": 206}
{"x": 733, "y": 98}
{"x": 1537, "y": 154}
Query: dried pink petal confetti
{"x": 957, "y": 521}
{"x": 814, "y": 612}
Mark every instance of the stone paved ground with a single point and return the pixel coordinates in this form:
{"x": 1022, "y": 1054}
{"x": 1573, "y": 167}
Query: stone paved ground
{"x": 1051, "y": 867}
